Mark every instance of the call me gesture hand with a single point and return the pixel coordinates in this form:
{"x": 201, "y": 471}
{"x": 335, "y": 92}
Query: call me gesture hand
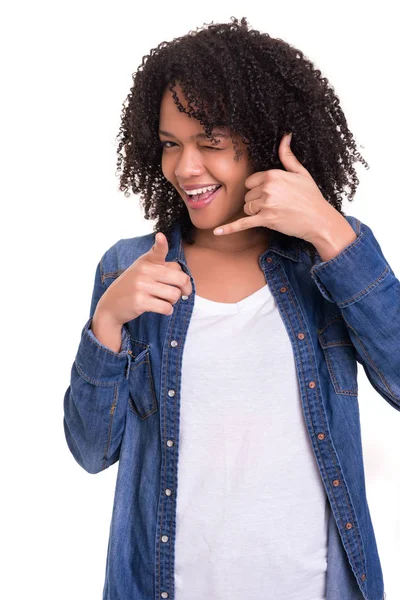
{"x": 291, "y": 202}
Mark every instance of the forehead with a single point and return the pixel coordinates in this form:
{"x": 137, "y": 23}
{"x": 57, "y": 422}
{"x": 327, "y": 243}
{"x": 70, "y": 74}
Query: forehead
{"x": 217, "y": 132}
{"x": 173, "y": 122}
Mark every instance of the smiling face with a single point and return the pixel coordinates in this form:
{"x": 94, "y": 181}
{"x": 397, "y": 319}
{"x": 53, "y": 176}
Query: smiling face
{"x": 196, "y": 161}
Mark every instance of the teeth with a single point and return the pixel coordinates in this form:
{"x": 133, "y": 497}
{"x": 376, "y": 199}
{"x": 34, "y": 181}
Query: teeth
{"x": 201, "y": 190}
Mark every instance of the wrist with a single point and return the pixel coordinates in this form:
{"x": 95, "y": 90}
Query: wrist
{"x": 105, "y": 318}
{"x": 332, "y": 241}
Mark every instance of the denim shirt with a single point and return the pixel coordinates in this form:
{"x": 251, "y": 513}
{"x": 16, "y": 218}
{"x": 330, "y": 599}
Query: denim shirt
{"x": 124, "y": 406}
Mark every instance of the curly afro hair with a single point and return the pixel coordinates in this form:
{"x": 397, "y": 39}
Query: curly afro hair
{"x": 259, "y": 87}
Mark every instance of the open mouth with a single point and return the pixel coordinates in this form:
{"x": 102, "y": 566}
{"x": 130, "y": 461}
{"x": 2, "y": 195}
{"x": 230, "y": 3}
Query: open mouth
{"x": 201, "y": 200}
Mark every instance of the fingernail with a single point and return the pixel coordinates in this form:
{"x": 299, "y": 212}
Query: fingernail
{"x": 218, "y": 231}
{"x": 289, "y": 138}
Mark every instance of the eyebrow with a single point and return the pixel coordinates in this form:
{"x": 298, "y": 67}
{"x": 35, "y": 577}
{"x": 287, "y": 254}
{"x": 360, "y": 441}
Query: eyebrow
{"x": 194, "y": 137}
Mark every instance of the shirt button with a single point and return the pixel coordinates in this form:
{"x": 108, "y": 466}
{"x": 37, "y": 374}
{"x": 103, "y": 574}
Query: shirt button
{"x": 364, "y": 577}
{"x": 168, "y": 492}
{"x": 349, "y": 525}
{"x": 174, "y": 343}
{"x": 184, "y": 297}
{"x": 300, "y": 336}
{"x": 171, "y": 393}
{"x": 311, "y": 384}
{"x": 164, "y": 594}
{"x": 283, "y": 289}
{"x": 269, "y": 259}
{"x": 321, "y": 436}
{"x": 336, "y": 482}
{"x": 170, "y": 443}
{"x": 164, "y": 538}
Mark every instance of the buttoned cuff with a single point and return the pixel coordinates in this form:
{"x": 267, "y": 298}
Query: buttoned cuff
{"x": 99, "y": 364}
{"x": 353, "y": 273}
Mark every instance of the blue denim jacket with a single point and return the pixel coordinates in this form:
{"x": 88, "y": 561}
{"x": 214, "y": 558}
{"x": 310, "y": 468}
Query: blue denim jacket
{"x": 125, "y": 406}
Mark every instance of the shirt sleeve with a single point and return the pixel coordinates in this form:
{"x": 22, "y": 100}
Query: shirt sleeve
{"x": 363, "y": 285}
{"x": 96, "y": 400}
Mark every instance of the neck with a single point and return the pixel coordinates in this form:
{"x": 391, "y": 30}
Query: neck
{"x": 239, "y": 242}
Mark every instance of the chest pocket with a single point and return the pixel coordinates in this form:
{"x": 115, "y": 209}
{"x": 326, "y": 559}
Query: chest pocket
{"x": 142, "y": 395}
{"x": 340, "y": 356}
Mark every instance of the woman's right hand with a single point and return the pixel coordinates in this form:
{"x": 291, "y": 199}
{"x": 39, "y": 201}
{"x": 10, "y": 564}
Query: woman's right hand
{"x": 149, "y": 284}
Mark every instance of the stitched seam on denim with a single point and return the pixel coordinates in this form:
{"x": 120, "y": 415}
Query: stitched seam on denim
{"x": 322, "y": 419}
{"x": 339, "y": 317}
{"x": 95, "y": 381}
{"x": 285, "y": 255}
{"x": 332, "y": 319}
{"x": 164, "y": 400}
{"x": 171, "y": 581}
{"x": 154, "y": 405}
{"x": 153, "y": 390}
{"x": 101, "y": 270}
{"x": 350, "y": 511}
{"x": 143, "y": 417}
{"x": 333, "y": 457}
{"x": 373, "y": 365}
{"x": 92, "y": 341}
{"x": 112, "y": 274}
{"x": 325, "y": 346}
{"x": 367, "y": 290}
{"x": 139, "y": 342}
{"x": 308, "y": 406}
{"x": 308, "y": 341}
{"x": 338, "y": 390}
{"x": 293, "y": 301}
{"x": 114, "y": 403}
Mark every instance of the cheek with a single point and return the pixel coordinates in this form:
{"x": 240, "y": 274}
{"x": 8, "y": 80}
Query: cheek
{"x": 230, "y": 176}
{"x": 166, "y": 167}
{"x": 234, "y": 173}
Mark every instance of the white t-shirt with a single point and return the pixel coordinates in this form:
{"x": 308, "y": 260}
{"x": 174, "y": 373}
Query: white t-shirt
{"x": 252, "y": 511}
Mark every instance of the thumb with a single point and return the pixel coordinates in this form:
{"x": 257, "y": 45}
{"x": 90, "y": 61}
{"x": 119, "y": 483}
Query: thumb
{"x": 287, "y": 157}
{"x": 159, "y": 250}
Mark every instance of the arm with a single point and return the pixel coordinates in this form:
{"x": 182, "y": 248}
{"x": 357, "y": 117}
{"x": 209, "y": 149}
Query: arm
{"x": 96, "y": 399}
{"x": 360, "y": 281}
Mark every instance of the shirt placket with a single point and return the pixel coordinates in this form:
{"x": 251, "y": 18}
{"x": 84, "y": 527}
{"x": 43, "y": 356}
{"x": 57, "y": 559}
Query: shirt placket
{"x": 169, "y": 423}
{"x": 315, "y": 416}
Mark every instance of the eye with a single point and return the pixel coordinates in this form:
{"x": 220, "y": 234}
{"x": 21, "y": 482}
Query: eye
{"x": 163, "y": 144}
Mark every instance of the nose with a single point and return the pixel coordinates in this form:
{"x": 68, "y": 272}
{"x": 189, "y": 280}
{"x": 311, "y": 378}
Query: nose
{"x": 189, "y": 164}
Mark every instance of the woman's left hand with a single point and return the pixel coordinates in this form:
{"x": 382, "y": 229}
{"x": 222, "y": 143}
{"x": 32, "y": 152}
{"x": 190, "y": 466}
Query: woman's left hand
{"x": 288, "y": 201}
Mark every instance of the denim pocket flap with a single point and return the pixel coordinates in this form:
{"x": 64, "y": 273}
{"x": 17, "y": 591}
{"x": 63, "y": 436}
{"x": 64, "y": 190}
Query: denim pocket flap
{"x": 340, "y": 356}
{"x": 142, "y": 396}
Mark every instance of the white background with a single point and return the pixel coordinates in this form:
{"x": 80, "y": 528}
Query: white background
{"x": 66, "y": 70}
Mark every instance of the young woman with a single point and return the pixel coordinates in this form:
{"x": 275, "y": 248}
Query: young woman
{"x": 221, "y": 370}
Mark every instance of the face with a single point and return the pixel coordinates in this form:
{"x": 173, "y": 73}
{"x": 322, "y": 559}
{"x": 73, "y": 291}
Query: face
{"x": 188, "y": 161}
